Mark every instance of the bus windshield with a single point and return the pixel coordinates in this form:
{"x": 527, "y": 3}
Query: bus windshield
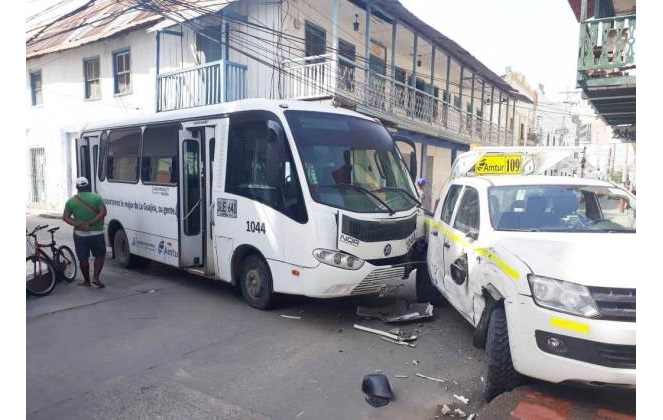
{"x": 557, "y": 208}
{"x": 351, "y": 163}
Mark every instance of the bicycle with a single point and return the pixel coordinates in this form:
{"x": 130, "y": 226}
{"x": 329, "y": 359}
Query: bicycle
{"x": 62, "y": 258}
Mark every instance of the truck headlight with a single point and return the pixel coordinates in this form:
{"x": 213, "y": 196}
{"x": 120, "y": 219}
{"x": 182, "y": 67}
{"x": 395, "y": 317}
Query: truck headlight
{"x": 338, "y": 259}
{"x": 562, "y": 296}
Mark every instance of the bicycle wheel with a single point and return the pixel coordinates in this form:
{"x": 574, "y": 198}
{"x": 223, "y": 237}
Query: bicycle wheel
{"x": 66, "y": 261}
{"x": 39, "y": 275}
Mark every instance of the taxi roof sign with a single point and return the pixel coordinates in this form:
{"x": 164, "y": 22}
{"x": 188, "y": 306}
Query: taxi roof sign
{"x": 488, "y": 160}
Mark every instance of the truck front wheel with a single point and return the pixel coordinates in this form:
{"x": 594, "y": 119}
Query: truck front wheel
{"x": 499, "y": 373}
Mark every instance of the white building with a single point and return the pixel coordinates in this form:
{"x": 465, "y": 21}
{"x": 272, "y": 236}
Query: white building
{"x": 106, "y": 60}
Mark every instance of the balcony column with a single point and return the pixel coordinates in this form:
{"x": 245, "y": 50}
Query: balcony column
{"x": 413, "y": 82}
{"x": 506, "y": 121}
{"x": 432, "y": 84}
{"x": 460, "y": 98}
{"x": 158, "y": 86}
{"x": 516, "y": 140}
{"x": 394, "y": 30}
{"x": 334, "y": 58}
{"x": 471, "y": 116}
{"x": 367, "y": 55}
{"x": 223, "y": 95}
{"x": 492, "y": 102}
{"x": 483, "y": 92}
{"x": 447, "y": 93}
{"x": 581, "y": 44}
{"x": 499, "y": 119}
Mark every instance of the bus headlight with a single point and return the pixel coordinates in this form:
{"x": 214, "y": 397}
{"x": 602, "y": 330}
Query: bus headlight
{"x": 562, "y": 296}
{"x": 338, "y": 259}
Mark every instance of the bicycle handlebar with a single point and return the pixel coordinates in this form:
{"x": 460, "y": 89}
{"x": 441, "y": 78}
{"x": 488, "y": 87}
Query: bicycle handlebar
{"x": 36, "y": 229}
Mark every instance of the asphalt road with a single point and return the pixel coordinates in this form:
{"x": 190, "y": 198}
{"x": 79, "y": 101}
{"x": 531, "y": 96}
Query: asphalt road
{"x": 160, "y": 343}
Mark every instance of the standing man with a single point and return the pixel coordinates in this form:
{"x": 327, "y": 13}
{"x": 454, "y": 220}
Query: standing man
{"x": 85, "y": 211}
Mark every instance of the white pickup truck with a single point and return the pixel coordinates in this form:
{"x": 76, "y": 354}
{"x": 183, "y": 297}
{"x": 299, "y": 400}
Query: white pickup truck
{"x": 540, "y": 265}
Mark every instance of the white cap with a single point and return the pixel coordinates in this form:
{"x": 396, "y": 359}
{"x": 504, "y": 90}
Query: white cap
{"x": 81, "y": 181}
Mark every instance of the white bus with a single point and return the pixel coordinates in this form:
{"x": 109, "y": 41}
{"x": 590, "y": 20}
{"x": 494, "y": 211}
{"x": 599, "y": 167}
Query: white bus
{"x": 276, "y": 197}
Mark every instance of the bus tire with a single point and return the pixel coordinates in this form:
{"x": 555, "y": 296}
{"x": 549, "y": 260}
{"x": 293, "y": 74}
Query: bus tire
{"x": 499, "y": 373}
{"x": 122, "y": 251}
{"x": 255, "y": 283}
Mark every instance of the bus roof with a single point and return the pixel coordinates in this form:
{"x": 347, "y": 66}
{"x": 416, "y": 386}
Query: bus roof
{"x": 273, "y": 105}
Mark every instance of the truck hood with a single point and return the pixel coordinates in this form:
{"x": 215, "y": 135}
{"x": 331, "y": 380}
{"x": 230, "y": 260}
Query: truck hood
{"x": 590, "y": 259}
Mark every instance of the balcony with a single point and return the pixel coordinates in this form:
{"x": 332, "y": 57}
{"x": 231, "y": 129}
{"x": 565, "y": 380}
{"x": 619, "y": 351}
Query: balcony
{"x": 332, "y": 76}
{"x": 606, "y": 67}
{"x": 211, "y": 83}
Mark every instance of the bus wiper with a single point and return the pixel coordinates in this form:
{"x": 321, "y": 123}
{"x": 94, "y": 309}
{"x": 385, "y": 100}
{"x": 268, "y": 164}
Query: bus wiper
{"x": 403, "y": 190}
{"x": 367, "y": 191}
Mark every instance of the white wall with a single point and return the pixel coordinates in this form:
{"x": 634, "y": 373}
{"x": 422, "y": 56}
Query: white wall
{"x": 64, "y": 110}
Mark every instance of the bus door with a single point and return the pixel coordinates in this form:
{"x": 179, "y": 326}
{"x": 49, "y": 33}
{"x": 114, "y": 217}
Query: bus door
{"x": 87, "y": 153}
{"x": 191, "y": 196}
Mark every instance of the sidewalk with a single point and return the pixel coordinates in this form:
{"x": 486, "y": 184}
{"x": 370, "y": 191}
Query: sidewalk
{"x": 49, "y": 214}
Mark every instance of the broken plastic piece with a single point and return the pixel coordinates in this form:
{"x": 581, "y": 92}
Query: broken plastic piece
{"x": 462, "y": 399}
{"x": 415, "y": 362}
{"x": 291, "y": 317}
{"x": 445, "y": 410}
{"x": 403, "y": 337}
{"x": 430, "y": 377}
{"x": 471, "y": 416}
{"x": 401, "y": 376}
{"x": 377, "y": 390}
{"x": 402, "y": 343}
{"x": 400, "y": 311}
{"x": 460, "y": 412}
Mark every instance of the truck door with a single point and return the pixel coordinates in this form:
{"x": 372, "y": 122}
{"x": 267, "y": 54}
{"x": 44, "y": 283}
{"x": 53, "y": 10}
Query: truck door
{"x": 458, "y": 251}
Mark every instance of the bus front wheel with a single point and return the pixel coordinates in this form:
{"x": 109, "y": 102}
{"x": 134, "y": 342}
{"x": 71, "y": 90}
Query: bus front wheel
{"x": 255, "y": 282}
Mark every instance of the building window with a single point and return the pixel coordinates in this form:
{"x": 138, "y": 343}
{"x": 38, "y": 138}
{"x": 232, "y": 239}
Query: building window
{"x": 35, "y": 87}
{"x": 315, "y": 39}
{"x": 122, "y": 72}
{"x": 92, "y": 85}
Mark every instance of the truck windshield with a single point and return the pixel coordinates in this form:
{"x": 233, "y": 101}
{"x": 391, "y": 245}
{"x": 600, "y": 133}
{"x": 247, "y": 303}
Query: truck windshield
{"x": 340, "y": 151}
{"x": 556, "y": 208}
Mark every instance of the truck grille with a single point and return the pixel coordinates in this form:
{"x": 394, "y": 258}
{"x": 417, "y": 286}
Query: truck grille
{"x": 614, "y": 304}
{"x": 371, "y": 231}
{"x": 615, "y": 355}
{"x": 379, "y": 278}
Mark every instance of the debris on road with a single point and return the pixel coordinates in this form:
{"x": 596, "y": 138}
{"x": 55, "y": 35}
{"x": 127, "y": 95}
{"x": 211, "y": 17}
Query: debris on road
{"x": 460, "y": 412}
{"x": 430, "y": 377}
{"x": 376, "y": 388}
{"x": 402, "y": 343}
{"x": 471, "y": 416}
{"x": 445, "y": 410}
{"x": 291, "y": 317}
{"x": 402, "y": 337}
{"x": 462, "y": 399}
{"x": 400, "y": 311}
{"x": 415, "y": 362}
{"x": 401, "y": 376}
{"x": 300, "y": 414}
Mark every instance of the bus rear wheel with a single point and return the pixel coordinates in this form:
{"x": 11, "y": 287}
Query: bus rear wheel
{"x": 255, "y": 282}
{"x": 121, "y": 250}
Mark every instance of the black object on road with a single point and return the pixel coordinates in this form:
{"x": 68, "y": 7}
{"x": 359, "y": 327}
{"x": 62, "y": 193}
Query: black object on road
{"x": 377, "y": 389}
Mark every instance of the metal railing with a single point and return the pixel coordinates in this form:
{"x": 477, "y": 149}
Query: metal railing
{"x": 607, "y": 43}
{"x": 330, "y": 75}
{"x": 211, "y": 83}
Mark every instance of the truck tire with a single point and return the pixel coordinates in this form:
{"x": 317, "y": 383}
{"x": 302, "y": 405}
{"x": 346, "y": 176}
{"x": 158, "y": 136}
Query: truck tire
{"x": 499, "y": 373}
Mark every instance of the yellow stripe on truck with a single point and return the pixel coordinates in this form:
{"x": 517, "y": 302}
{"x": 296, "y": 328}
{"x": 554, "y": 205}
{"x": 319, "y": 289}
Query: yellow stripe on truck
{"x": 567, "y": 324}
{"x": 500, "y": 263}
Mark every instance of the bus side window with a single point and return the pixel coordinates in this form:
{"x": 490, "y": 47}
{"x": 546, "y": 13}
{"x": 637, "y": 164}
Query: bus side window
{"x": 159, "y": 157}
{"x": 261, "y": 166}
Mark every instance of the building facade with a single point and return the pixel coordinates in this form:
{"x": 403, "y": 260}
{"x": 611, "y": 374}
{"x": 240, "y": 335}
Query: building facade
{"x": 106, "y": 60}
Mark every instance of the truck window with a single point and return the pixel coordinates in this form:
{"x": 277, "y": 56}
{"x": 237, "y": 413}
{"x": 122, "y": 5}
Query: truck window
{"x": 467, "y": 217}
{"x": 450, "y": 203}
